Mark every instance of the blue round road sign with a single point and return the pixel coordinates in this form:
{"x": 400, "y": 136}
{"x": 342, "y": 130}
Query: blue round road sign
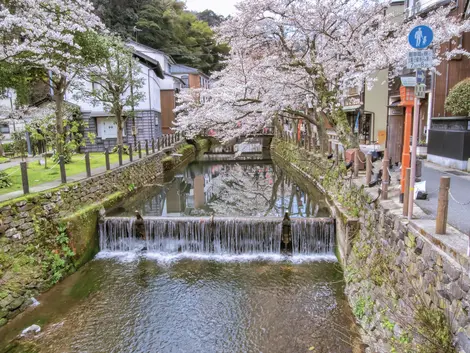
{"x": 420, "y": 37}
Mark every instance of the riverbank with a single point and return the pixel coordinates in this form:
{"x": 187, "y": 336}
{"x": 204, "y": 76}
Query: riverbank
{"x": 48, "y": 235}
{"x": 408, "y": 289}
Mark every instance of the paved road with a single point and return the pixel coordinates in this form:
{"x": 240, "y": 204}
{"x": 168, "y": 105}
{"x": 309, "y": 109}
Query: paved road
{"x": 459, "y": 215}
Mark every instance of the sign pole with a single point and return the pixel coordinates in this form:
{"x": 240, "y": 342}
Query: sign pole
{"x": 413, "y": 158}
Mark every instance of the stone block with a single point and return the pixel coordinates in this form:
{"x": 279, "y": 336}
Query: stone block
{"x": 463, "y": 341}
{"x": 10, "y": 232}
{"x": 26, "y": 207}
{"x": 15, "y": 304}
{"x": 465, "y": 283}
{"x": 456, "y": 293}
{"x": 452, "y": 271}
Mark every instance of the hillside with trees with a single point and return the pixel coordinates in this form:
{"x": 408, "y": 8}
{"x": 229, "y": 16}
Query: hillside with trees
{"x": 168, "y": 26}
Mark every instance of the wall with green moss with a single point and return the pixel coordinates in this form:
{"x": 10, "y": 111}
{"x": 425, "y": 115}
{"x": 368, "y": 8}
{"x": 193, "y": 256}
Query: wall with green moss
{"x": 46, "y": 236}
{"x": 407, "y": 293}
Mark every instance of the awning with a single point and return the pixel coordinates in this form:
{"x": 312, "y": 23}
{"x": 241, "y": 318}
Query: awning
{"x": 351, "y": 108}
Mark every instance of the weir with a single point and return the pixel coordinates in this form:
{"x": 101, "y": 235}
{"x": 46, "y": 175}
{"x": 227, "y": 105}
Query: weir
{"x": 219, "y": 235}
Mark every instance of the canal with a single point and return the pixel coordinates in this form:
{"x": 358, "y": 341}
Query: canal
{"x": 210, "y": 275}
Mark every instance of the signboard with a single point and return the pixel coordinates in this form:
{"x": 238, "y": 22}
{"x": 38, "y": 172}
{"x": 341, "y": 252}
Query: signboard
{"x": 421, "y": 59}
{"x": 395, "y": 111}
{"x": 420, "y": 77}
{"x": 408, "y": 81}
{"x": 420, "y": 91}
{"x": 420, "y": 37}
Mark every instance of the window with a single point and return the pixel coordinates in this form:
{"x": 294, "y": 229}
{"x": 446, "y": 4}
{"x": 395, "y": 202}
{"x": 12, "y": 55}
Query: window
{"x": 106, "y": 128}
{"x": 4, "y": 128}
{"x": 185, "y": 79}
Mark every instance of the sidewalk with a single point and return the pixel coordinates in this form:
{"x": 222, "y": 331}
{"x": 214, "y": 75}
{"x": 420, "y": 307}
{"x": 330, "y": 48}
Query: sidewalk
{"x": 16, "y": 162}
{"x": 55, "y": 183}
{"x": 459, "y": 201}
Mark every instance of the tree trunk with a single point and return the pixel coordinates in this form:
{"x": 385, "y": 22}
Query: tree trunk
{"x": 59, "y": 93}
{"x": 119, "y": 122}
{"x": 2, "y": 152}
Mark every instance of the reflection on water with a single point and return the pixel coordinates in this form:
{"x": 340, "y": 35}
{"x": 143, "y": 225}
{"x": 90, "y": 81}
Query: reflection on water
{"x": 196, "y": 306}
{"x": 228, "y": 189}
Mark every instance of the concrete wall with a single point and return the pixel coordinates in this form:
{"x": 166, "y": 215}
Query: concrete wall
{"x": 409, "y": 289}
{"x": 46, "y": 236}
{"x": 376, "y": 101}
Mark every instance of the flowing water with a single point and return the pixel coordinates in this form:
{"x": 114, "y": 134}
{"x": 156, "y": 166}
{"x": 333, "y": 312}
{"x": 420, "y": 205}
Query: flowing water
{"x": 221, "y": 236}
{"x": 217, "y": 282}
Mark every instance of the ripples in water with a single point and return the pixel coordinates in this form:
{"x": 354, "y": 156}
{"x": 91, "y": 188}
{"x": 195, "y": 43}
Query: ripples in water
{"x": 156, "y": 304}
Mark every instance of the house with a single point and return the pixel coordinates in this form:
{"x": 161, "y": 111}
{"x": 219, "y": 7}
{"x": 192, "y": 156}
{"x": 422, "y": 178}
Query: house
{"x": 7, "y": 125}
{"x": 449, "y": 136}
{"x": 159, "y": 85}
{"x": 169, "y": 86}
{"x": 192, "y": 78}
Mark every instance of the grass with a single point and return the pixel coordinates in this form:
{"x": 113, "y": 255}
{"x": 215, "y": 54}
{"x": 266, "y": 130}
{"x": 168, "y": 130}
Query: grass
{"x": 37, "y": 174}
{"x": 4, "y": 160}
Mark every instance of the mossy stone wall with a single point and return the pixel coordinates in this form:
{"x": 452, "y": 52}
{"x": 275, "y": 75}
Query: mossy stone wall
{"x": 407, "y": 292}
{"x": 46, "y": 236}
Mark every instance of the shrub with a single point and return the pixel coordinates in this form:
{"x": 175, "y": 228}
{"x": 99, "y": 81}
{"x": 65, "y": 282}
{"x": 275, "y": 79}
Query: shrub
{"x": 458, "y": 100}
{"x": 5, "y": 180}
{"x": 125, "y": 149}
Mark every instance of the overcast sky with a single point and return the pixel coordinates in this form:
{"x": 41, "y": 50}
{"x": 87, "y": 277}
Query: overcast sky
{"x": 221, "y": 7}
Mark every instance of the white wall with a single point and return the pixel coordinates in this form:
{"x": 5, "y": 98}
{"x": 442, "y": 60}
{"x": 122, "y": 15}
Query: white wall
{"x": 150, "y": 89}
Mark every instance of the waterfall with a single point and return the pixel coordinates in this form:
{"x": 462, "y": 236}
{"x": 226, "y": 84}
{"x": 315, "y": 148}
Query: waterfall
{"x": 220, "y": 235}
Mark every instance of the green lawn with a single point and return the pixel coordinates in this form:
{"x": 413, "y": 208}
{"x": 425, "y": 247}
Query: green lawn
{"x": 4, "y": 160}
{"x": 37, "y": 174}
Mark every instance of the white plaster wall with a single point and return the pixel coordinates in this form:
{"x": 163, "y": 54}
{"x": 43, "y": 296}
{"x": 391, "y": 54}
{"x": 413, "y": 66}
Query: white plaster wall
{"x": 151, "y": 90}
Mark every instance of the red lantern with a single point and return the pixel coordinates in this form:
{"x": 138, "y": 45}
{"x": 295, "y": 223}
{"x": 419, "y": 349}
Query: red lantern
{"x": 407, "y": 96}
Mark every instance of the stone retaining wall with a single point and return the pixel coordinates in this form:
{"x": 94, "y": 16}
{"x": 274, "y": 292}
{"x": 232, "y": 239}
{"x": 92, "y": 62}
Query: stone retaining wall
{"x": 408, "y": 289}
{"x": 46, "y": 236}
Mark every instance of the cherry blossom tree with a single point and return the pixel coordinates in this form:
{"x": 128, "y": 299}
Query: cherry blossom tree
{"x": 288, "y": 56}
{"x": 54, "y": 38}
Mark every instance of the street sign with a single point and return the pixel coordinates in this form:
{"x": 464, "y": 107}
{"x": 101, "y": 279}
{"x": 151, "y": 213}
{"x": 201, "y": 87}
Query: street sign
{"x": 420, "y": 77}
{"x": 420, "y": 91}
{"x": 408, "y": 81}
{"x": 420, "y": 37}
{"x": 420, "y": 59}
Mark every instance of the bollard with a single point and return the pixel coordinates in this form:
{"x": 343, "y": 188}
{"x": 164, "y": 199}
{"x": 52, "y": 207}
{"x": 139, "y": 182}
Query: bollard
{"x": 63, "y": 177}
{"x": 130, "y": 153}
{"x": 158, "y": 143}
{"x": 87, "y": 164}
{"x": 385, "y": 175}
{"x": 146, "y": 147}
{"x": 442, "y": 205}
{"x": 368, "y": 168}
{"x": 106, "y": 156}
{"x": 24, "y": 177}
{"x": 153, "y": 145}
{"x": 120, "y": 155}
{"x": 139, "y": 148}
{"x": 330, "y": 149}
{"x": 406, "y": 195}
{"x": 356, "y": 162}
{"x": 337, "y": 154}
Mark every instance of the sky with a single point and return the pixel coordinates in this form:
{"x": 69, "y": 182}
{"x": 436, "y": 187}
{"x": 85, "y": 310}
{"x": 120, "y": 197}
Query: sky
{"x": 220, "y": 7}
